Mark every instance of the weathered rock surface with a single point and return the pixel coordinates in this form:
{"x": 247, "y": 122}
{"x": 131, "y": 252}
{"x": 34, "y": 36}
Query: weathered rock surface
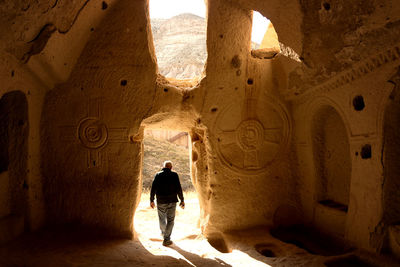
{"x": 308, "y": 138}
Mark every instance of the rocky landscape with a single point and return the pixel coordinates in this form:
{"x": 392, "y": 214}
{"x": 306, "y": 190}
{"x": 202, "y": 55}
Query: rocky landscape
{"x": 156, "y": 151}
{"x": 180, "y": 44}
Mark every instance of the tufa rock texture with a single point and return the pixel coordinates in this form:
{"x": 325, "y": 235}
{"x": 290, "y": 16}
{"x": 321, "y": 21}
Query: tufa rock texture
{"x": 306, "y": 136}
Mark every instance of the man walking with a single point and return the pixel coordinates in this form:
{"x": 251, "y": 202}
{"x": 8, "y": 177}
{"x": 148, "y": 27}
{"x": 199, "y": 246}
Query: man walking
{"x": 166, "y": 186}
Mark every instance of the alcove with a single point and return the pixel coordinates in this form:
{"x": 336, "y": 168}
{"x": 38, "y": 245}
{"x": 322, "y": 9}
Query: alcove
{"x": 13, "y": 164}
{"x": 332, "y": 170}
{"x": 391, "y": 171}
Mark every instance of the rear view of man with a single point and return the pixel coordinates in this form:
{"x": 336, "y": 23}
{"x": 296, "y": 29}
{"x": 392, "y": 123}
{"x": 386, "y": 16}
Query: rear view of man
{"x": 166, "y": 186}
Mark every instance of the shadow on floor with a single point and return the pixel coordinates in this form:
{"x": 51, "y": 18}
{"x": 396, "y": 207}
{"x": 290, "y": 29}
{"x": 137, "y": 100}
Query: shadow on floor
{"x": 196, "y": 260}
{"x": 310, "y": 240}
{"x": 65, "y": 248}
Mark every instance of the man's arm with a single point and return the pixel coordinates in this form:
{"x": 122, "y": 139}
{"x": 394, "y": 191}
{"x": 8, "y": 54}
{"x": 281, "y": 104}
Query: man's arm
{"x": 180, "y": 194}
{"x": 153, "y": 191}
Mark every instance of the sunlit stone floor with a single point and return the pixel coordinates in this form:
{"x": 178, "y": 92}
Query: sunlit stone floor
{"x": 190, "y": 248}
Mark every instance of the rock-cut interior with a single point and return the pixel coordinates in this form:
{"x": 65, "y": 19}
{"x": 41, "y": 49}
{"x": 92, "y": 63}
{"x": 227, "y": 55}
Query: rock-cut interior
{"x": 294, "y": 147}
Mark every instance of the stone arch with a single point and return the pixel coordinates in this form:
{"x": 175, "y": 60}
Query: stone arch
{"x": 13, "y": 164}
{"x": 330, "y": 150}
{"x": 391, "y": 170}
{"x": 329, "y": 140}
{"x": 180, "y": 122}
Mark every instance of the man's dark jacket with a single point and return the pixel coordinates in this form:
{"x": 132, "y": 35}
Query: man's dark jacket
{"x": 166, "y": 187}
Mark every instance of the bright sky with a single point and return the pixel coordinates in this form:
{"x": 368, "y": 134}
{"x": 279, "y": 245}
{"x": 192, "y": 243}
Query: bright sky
{"x": 166, "y": 9}
{"x": 260, "y": 26}
{"x": 169, "y": 8}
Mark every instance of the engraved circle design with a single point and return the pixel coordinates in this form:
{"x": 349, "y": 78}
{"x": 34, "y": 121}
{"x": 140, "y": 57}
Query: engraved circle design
{"x": 92, "y": 133}
{"x": 250, "y": 144}
{"x": 250, "y": 135}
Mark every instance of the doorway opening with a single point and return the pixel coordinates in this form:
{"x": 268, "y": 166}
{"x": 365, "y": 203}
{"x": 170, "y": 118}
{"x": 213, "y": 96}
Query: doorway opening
{"x": 160, "y": 145}
{"x": 179, "y": 35}
{"x": 14, "y": 131}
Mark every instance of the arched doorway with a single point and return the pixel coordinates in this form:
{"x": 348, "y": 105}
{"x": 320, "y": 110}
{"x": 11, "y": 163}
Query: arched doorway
{"x": 391, "y": 171}
{"x": 14, "y": 129}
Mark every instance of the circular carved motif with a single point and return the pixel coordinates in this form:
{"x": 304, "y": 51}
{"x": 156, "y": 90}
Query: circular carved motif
{"x": 250, "y": 143}
{"x": 92, "y": 133}
{"x": 250, "y": 135}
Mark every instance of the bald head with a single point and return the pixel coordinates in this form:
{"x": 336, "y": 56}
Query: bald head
{"x": 167, "y": 164}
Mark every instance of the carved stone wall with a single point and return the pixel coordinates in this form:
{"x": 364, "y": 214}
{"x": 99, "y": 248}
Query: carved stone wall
{"x": 89, "y": 74}
{"x": 92, "y": 163}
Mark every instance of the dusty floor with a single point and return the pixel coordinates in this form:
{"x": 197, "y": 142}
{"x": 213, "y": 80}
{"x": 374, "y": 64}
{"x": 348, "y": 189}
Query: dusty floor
{"x": 190, "y": 248}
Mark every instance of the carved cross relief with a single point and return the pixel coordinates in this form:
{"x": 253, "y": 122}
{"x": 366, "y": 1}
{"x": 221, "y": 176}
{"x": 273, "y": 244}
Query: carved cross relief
{"x": 93, "y": 134}
{"x": 256, "y": 135}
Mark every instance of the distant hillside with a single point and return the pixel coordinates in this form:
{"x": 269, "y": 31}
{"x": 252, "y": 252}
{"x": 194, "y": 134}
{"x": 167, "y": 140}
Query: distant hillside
{"x": 180, "y": 44}
{"x": 156, "y": 152}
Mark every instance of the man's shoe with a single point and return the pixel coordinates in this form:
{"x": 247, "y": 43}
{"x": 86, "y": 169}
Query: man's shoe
{"x": 167, "y": 242}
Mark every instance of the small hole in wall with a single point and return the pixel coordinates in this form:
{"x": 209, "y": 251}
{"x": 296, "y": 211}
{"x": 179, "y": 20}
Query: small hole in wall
{"x": 327, "y": 6}
{"x": 250, "y": 81}
{"x": 91, "y": 29}
{"x": 214, "y": 109}
{"x": 104, "y": 5}
{"x": 165, "y": 89}
{"x": 124, "y": 82}
{"x": 94, "y": 163}
{"x": 25, "y": 185}
{"x": 221, "y": 36}
{"x": 366, "y": 151}
{"x": 356, "y": 153}
{"x": 236, "y": 62}
{"x": 195, "y": 156}
{"x": 358, "y": 103}
{"x": 12, "y": 73}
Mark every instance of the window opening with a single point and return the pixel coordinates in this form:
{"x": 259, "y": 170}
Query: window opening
{"x": 259, "y": 29}
{"x": 264, "y": 40}
{"x": 265, "y": 43}
{"x": 179, "y": 35}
